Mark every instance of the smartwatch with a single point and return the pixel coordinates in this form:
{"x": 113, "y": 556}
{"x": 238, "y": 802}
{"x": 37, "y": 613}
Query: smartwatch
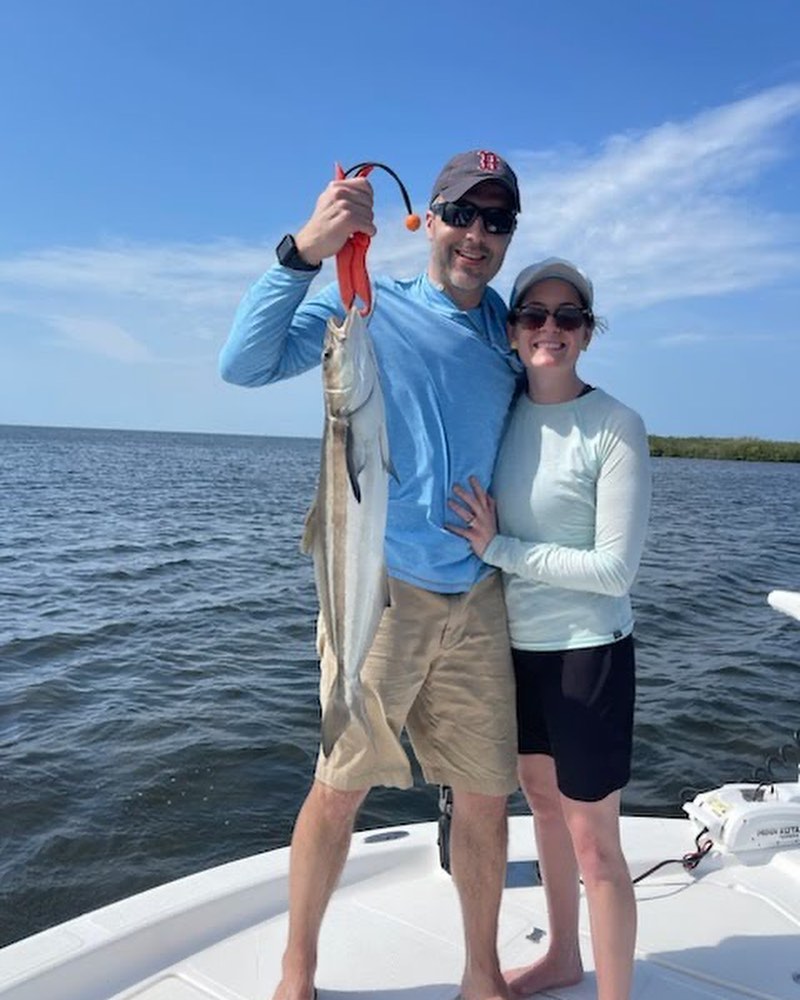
{"x": 289, "y": 256}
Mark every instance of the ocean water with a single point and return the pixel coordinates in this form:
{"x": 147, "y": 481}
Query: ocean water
{"x": 158, "y": 683}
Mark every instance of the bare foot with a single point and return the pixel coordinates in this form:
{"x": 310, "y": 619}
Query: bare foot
{"x": 547, "y": 973}
{"x": 478, "y": 987}
{"x": 289, "y": 990}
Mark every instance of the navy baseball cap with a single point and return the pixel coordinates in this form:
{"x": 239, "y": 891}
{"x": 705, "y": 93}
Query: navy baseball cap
{"x": 464, "y": 170}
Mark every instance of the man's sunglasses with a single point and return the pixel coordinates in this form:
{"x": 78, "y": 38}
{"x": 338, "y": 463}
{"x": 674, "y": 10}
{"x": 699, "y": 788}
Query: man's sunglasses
{"x": 534, "y": 317}
{"x": 496, "y": 221}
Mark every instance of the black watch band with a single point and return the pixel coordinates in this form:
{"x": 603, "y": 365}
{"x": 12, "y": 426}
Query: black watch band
{"x": 289, "y": 256}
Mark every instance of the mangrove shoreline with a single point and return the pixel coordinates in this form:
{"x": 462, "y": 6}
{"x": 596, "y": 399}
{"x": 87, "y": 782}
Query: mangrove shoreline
{"x": 732, "y": 449}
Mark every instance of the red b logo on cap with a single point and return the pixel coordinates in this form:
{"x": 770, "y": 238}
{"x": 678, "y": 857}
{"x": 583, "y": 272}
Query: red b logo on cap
{"x": 488, "y": 161}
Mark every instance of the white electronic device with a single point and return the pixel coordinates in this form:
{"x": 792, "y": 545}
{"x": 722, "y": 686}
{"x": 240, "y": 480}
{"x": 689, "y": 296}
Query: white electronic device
{"x": 749, "y": 817}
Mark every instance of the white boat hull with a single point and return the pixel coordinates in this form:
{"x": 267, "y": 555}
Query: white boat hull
{"x": 731, "y": 928}
{"x": 787, "y": 601}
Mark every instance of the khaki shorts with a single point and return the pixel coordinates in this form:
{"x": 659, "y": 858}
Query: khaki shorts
{"x": 440, "y": 666}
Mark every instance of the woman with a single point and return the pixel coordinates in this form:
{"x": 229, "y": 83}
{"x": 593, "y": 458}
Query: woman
{"x": 572, "y": 489}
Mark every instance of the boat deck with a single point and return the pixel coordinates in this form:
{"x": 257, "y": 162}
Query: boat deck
{"x": 731, "y": 928}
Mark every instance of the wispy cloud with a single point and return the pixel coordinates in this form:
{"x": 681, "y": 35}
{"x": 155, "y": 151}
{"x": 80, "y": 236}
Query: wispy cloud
{"x": 684, "y": 339}
{"x": 725, "y": 337}
{"x": 100, "y": 337}
{"x": 654, "y": 216}
{"x": 189, "y": 275}
{"x": 131, "y": 302}
{"x": 670, "y": 213}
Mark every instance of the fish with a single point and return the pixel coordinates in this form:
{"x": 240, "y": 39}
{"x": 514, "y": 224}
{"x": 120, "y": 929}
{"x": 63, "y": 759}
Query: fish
{"x": 346, "y": 523}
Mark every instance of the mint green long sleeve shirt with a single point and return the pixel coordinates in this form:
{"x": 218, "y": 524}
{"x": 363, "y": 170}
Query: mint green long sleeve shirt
{"x": 572, "y": 486}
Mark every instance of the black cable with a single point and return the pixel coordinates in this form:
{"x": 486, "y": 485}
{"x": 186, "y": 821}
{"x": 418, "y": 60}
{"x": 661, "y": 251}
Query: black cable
{"x": 788, "y": 754}
{"x": 689, "y": 861}
{"x": 406, "y": 199}
{"x": 763, "y": 775}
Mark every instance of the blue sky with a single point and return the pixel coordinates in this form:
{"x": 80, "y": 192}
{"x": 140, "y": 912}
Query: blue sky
{"x": 153, "y": 153}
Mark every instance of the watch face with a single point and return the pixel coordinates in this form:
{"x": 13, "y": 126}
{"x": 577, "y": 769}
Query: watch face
{"x": 286, "y": 250}
{"x": 289, "y": 257}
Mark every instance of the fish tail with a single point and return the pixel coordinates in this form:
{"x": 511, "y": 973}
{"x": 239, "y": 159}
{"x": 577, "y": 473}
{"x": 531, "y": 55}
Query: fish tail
{"x": 335, "y": 719}
{"x": 358, "y": 710}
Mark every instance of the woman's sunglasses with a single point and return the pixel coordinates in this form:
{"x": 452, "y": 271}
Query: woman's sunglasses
{"x": 496, "y": 221}
{"x": 534, "y": 317}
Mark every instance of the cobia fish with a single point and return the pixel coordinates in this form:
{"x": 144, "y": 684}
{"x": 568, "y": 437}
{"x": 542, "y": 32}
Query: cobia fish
{"x": 345, "y": 526}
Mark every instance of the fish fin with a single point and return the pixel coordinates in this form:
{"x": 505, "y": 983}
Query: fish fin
{"x": 354, "y": 466}
{"x": 386, "y": 458}
{"x": 309, "y": 529}
{"x": 335, "y": 719}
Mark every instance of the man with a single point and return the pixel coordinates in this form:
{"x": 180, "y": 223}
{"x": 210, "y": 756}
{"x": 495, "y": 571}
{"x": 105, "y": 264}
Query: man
{"x": 440, "y": 664}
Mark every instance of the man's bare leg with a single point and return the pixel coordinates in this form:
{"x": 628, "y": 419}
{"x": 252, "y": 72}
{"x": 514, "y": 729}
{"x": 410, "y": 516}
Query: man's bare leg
{"x": 320, "y": 843}
{"x": 478, "y": 849}
{"x": 561, "y": 965}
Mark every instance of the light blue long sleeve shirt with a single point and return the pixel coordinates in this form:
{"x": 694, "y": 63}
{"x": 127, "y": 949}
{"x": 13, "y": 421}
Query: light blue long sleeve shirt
{"x": 573, "y": 489}
{"x": 448, "y": 378}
